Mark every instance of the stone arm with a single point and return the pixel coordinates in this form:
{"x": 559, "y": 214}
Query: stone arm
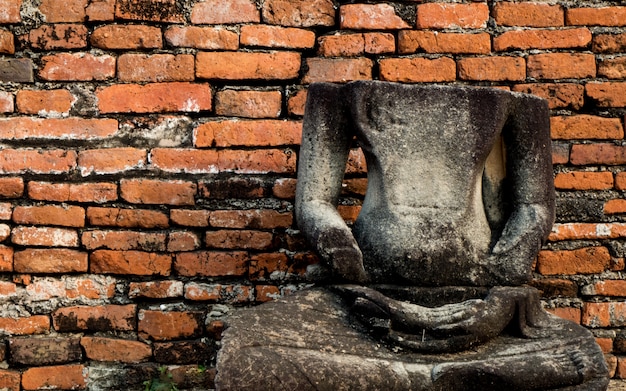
{"x": 326, "y": 141}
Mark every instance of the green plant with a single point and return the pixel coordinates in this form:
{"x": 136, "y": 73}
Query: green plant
{"x": 162, "y": 383}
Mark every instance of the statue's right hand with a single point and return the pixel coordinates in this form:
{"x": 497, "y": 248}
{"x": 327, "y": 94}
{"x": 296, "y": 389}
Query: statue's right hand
{"x": 340, "y": 251}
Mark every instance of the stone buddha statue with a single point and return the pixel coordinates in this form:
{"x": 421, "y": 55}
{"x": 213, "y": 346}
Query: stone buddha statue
{"x": 427, "y": 290}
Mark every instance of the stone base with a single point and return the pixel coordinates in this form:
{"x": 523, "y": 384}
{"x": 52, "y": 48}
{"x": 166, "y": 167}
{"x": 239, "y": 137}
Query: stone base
{"x": 307, "y": 341}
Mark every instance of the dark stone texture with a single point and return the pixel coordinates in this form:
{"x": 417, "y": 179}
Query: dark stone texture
{"x": 579, "y": 209}
{"x": 182, "y": 352}
{"x": 44, "y": 351}
{"x": 17, "y": 70}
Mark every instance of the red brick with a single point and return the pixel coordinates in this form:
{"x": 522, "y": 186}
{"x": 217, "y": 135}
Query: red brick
{"x": 63, "y": 377}
{"x": 266, "y": 266}
{"x": 609, "y": 43}
{"x": 253, "y": 218}
{"x": 230, "y": 294}
{"x": 78, "y": 192}
{"x": 95, "y": 318}
{"x": 66, "y": 216}
{"x": 153, "y": 191}
{"x": 349, "y": 212}
{"x": 63, "y": 11}
{"x": 542, "y": 39}
{"x": 59, "y": 36}
{"x": 58, "y": 128}
{"x": 44, "y": 236}
{"x": 247, "y": 66}
{"x": 299, "y": 13}
{"x": 295, "y": 102}
{"x": 155, "y": 289}
{"x": 620, "y": 181}
{"x": 127, "y": 218}
{"x": 604, "y": 153}
{"x": 182, "y": 241}
{"x": 137, "y": 263}
{"x": 211, "y": 263}
{"x": 604, "y": 16}
{"x": 101, "y": 10}
{"x": 7, "y": 42}
{"x": 561, "y": 65}
{"x": 585, "y": 127}
{"x": 589, "y": 260}
{"x": 36, "y": 324}
{"x": 6, "y": 209}
{"x": 118, "y": 36}
{"x": 11, "y": 187}
{"x": 209, "y": 38}
{"x": 379, "y": 43}
{"x": 44, "y": 102}
{"x": 615, "y": 288}
{"x": 266, "y": 293}
{"x": 615, "y": 206}
{"x": 163, "y": 326}
{"x": 6, "y": 259}
{"x": 613, "y": 68}
{"x": 578, "y": 231}
{"x": 604, "y": 314}
{"x": 337, "y": 70}
{"x": 44, "y": 351}
{"x": 583, "y": 180}
{"x": 190, "y": 218}
{"x": 559, "y": 95}
{"x": 266, "y": 133}
{"x": 569, "y": 313}
{"x": 248, "y": 103}
{"x": 346, "y": 45}
{"x": 7, "y": 289}
{"x": 492, "y": 68}
{"x": 115, "y": 350}
{"x": 154, "y": 98}
{"x": 111, "y": 160}
{"x": 370, "y": 17}
{"x": 607, "y": 94}
{"x": 155, "y": 67}
{"x": 164, "y": 11}
{"x": 6, "y": 102}
{"x": 225, "y": 12}
{"x": 124, "y": 240}
{"x": 528, "y": 14}
{"x": 77, "y": 67}
{"x": 10, "y": 11}
{"x": 441, "y": 16}
{"x": 10, "y": 380}
{"x": 240, "y": 187}
{"x": 412, "y": 41}
{"x": 238, "y": 239}
{"x": 277, "y": 37}
{"x": 49, "y": 261}
{"x": 356, "y": 162}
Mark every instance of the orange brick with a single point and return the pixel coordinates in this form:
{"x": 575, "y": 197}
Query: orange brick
{"x": 59, "y": 128}
{"x": 253, "y": 218}
{"x": 581, "y": 231}
{"x": 225, "y": 12}
{"x": 127, "y": 218}
{"x": 155, "y": 289}
{"x": 411, "y": 41}
{"x": 607, "y": 94}
{"x": 137, "y": 263}
{"x": 7, "y": 42}
{"x": 589, "y": 260}
{"x": 124, "y": 240}
{"x": 16, "y": 161}
{"x": 10, "y": 380}
{"x": 50, "y": 261}
{"x": 617, "y": 205}
{"x": 63, "y": 377}
{"x": 337, "y": 70}
{"x": 169, "y": 11}
{"x": 492, "y": 68}
{"x": 609, "y": 43}
{"x": 569, "y": 313}
{"x": 6, "y": 209}
{"x": 58, "y": 36}
{"x": 117, "y": 36}
{"x": 295, "y": 102}
{"x": 266, "y": 293}
{"x": 620, "y": 371}
{"x": 37, "y": 324}
{"x": 230, "y": 294}
{"x": 561, "y": 65}
{"x": 603, "y": 16}
{"x": 542, "y": 39}
{"x": 238, "y": 239}
{"x": 264, "y": 133}
{"x": 190, "y": 218}
{"x": 44, "y": 102}
{"x": 443, "y": 15}
{"x": 299, "y": 13}
{"x": 349, "y": 212}
{"x": 212, "y": 263}
{"x": 356, "y": 162}
{"x": 10, "y": 11}
{"x": 11, "y": 187}
{"x": 111, "y": 160}
{"x": 153, "y": 191}
{"x": 78, "y": 192}
{"x": 277, "y": 37}
{"x": 115, "y": 350}
{"x": 155, "y": 67}
{"x": 616, "y": 288}
{"x": 209, "y": 38}
{"x": 247, "y": 66}
{"x": 101, "y": 10}
{"x": 264, "y": 266}
{"x": 604, "y": 314}
{"x": 162, "y": 326}
{"x": 66, "y": 216}
{"x": 6, "y": 102}
{"x": 585, "y": 127}
{"x": 370, "y": 17}
{"x": 95, "y": 318}
{"x": 248, "y": 103}
{"x": 154, "y": 98}
{"x": 418, "y": 69}
{"x": 613, "y": 68}
{"x": 606, "y": 345}
{"x": 77, "y": 67}
{"x": 63, "y": 11}
{"x": 604, "y": 153}
{"x": 6, "y": 259}
{"x": 528, "y": 14}
{"x": 354, "y": 186}
{"x": 182, "y": 241}
{"x": 341, "y": 45}
{"x": 44, "y": 236}
{"x": 379, "y": 43}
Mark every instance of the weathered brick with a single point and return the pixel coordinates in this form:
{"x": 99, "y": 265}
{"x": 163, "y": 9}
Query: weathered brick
{"x": 568, "y": 313}
{"x": 111, "y": 160}
{"x": 492, "y": 68}
{"x": 231, "y": 294}
{"x": 225, "y": 12}
{"x": 561, "y": 65}
{"x": 10, "y": 11}
{"x": 100, "y": 10}
{"x": 227, "y": 133}
{"x": 50, "y": 261}
{"x": 95, "y": 318}
{"x": 71, "y": 287}
{"x": 77, "y": 192}
{"x": 124, "y": 240}
{"x": 44, "y": 102}
{"x": 5, "y": 232}
{"x": 337, "y": 70}
{"x": 542, "y": 39}
{"x": 248, "y": 103}
{"x": 583, "y": 180}
{"x": 588, "y": 260}
{"x": 58, "y": 36}
{"x": 9, "y": 379}
{"x": 6, "y": 102}
{"x": 7, "y": 289}
{"x": 600, "y": 153}
{"x": 379, "y": 43}
{"x": 604, "y": 314}
{"x": 299, "y": 13}
{"x": 411, "y": 41}
{"x": 620, "y": 181}
{"x": 182, "y": 352}
{"x": 154, "y": 191}
{"x": 36, "y": 324}
{"x": 190, "y": 218}
{"x": 585, "y": 127}
{"x": 63, "y": 377}
{"x": 296, "y": 102}
{"x": 127, "y": 218}
{"x": 6, "y": 259}
{"x": 44, "y": 351}
{"x": 18, "y": 70}
{"x": 154, "y": 98}
{"x": 57, "y": 128}
{"x": 182, "y": 241}
{"x": 241, "y": 187}
{"x": 555, "y": 287}
{"x": 443, "y": 15}
{"x": 345, "y": 45}
{"x": 11, "y": 187}
{"x": 155, "y": 67}
{"x": 115, "y": 350}
{"x": 137, "y": 263}
{"x": 209, "y": 38}
{"x": 6, "y": 209}
{"x": 620, "y": 371}
{"x": 418, "y": 69}
{"x": 164, "y": 11}
{"x": 63, "y": 11}
{"x": 613, "y": 68}
{"x": 7, "y": 42}
{"x": 156, "y": 289}
{"x": 607, "y": 94}
{"x": 370, "y": 16}
{"x": 169, "y": 325}
{"x": 247, "y": 66}
{"x": 528, "y": 14}
{"x": 603, "y": 16}
{"x": 265, "y": 266}
{"x": 65, "y": 216}
{"x": 616, "y": 205}
{"x": 118, "y": 36}
{"x": 616, "y": 288}
{"x": 44, "y": 236}
{"x": 277, "y": 37}
{"x": 238, "y": 239}
{"x": 264, "y": 293}
{"x": 77, "y": 67}
{"x": 609, "y": 43}
{"x": 253, "y": 218}
{"x": 211, "y": 263}
{"x": 349, "y": 212}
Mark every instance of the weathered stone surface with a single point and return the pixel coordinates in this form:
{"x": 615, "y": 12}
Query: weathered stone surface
{"x": 18, "y": 70}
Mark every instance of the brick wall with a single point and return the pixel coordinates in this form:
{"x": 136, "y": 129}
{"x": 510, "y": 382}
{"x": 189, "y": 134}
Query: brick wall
{"x": 149, "y": 150}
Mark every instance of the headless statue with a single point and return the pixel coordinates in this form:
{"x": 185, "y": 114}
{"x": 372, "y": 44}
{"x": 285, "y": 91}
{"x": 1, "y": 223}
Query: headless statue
{"x": 428, "y": 287}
